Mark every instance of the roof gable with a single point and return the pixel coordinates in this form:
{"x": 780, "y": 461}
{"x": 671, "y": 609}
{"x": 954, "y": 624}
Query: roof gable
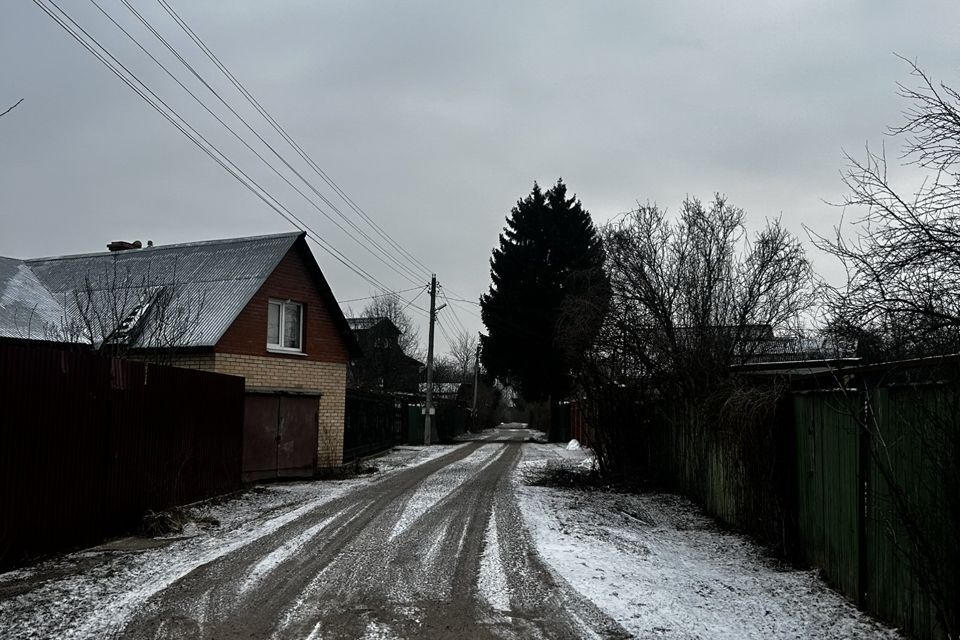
{"x": 382, "y": 323}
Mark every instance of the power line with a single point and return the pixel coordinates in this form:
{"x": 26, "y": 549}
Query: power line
{"x": 376, "y": 295}
{"x": 239, "y": 138}
{"x": 414, "y": 299}
{"x": 453, "y": 311}
{"x": 283, "y": 133}
{"x": 252, "y": 100}
{"x": 171, "y": 115}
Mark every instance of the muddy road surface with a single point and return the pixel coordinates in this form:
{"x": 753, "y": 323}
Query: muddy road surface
{"x": 435, "y": 551}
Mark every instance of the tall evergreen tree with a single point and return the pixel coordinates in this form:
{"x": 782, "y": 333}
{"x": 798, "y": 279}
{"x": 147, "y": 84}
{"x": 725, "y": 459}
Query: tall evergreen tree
{"x": 548, "y": 252}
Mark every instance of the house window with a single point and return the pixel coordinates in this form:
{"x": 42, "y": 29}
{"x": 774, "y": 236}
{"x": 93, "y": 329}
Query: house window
{"x": 285, "y": 325}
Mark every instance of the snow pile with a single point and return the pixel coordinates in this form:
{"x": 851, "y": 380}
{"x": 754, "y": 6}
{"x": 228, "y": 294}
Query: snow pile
{"x": 573, "y": 445}
{"x": 659, "y": 567}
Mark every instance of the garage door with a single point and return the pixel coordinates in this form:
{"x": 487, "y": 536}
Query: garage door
{"x": 279, "y": 435}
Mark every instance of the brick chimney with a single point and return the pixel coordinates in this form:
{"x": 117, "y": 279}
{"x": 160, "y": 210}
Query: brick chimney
{"x": 123, "y": 245}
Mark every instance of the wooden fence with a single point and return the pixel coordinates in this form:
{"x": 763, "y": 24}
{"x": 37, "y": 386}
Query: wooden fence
{"x": 88, "y": 444}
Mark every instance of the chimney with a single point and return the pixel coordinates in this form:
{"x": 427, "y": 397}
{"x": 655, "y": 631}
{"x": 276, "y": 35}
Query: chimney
{"x": 123, "y": 245}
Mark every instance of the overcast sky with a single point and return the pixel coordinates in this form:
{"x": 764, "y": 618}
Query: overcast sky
{"x": 435, "y": 117}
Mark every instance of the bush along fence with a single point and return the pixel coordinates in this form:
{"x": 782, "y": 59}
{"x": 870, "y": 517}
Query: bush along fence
{"x": 858, "y": 475}
{"x": 89, "y": 444}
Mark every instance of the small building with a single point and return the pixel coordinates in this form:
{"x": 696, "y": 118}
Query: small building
{"x": 256, "y": 307}
{"x": 384, "y": 366}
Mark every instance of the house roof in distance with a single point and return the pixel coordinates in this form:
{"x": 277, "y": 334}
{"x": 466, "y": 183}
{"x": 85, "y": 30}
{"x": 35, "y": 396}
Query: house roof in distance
{"x": 217, "y": 276}
{"x": 365, "y": 324}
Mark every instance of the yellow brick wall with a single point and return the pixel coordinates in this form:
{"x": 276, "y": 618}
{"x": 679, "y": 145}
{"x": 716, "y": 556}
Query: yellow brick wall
{"x": 329, "y": 378}
{"x": 202, "y": 361}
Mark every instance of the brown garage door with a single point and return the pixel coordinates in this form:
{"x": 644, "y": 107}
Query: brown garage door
{"x": 279, "y": 435}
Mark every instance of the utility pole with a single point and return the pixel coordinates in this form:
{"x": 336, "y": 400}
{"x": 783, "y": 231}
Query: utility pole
{"x": 428, "y": 405}
{"x": 476, "y": 380}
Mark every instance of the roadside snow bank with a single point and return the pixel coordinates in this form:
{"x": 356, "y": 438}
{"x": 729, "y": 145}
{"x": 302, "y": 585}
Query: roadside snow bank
{"x": 660, "y": 568}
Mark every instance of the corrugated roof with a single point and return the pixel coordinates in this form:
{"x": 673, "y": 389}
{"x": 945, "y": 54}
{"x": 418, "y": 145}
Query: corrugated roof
{"x": 27, "y": 309}
{"x": 211, "y": 281}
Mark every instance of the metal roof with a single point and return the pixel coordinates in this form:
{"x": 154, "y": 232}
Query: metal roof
{"x": 212, "y": 281}
{"x": 363, "y": 324}
{"x": 27, "y": 308}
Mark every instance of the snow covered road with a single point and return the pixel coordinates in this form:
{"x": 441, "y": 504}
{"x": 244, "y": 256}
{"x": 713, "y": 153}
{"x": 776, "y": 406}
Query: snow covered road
{"x": 448, "y": 543}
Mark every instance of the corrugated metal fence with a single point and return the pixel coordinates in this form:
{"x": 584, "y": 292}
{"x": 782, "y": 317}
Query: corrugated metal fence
{"x": 374, "y": 422}
{"x": 88, "y": 444}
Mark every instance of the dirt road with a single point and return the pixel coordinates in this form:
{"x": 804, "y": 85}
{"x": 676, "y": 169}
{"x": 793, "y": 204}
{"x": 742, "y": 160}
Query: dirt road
{"x": 435, "y": 551}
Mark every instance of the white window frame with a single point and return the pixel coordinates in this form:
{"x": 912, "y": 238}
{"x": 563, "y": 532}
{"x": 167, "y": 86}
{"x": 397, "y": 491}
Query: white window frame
{"x": 283, "y": 310}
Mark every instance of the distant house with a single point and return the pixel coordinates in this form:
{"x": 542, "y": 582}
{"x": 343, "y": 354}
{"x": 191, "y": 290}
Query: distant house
{"x": 255, "y": 307}
{"x": 384, "y": 366}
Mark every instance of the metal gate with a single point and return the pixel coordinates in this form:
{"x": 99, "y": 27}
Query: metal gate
{"x": 280, "y": 435}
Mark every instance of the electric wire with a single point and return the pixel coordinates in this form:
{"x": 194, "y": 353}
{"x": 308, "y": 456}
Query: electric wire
{"x": 414, "y": 299}
{"x": 283, "y": 133}
{"x": 376, "y": 295}
{"x": 406, "y": 274}
{"x": 158, "y": 104}
{"x": 181, "y": 22}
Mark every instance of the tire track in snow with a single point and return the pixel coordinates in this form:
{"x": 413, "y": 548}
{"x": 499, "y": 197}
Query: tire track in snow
{"x": 441, "y": 484}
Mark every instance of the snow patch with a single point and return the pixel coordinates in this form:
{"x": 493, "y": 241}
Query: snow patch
{"x": 288, "y": 549}
{"x": 492, "y": 581}
{"x": 573, "y": 445}
{"x": 378, "y": 631}
{"x": 659, "y": 567}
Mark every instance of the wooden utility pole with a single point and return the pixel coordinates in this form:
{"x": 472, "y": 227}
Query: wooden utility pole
{"x": 428, "y": 405}
{"x": 476, "y": 380}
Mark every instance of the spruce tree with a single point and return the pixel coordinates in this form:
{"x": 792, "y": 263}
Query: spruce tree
{"x": 549, "y": 243}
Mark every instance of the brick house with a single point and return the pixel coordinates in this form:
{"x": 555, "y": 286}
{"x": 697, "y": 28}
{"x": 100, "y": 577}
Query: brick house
{"x": 255, "y": 307}
{"x": 384, "y": 366}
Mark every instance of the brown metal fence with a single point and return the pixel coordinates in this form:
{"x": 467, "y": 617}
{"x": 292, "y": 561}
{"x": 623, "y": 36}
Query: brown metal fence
{"x": 374, "y": 422}
{"x": 88, "y": 444}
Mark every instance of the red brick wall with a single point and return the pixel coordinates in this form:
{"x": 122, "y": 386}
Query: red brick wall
{"x": 291, "y": 280}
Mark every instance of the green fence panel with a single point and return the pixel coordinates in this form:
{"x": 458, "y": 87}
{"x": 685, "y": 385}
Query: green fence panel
{"x": 415, "y": 425}
{"x": 829, "y": 520}
{"x": 910, "y": 538}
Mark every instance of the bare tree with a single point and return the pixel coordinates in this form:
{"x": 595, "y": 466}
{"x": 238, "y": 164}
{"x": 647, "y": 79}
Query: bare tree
{"x": 463, "y": 354}
{"x": 694, "y": 296}
{"x": 688, "y": 298}
{"x": 120, "y": 311}
{"x": 901, "y": 297}
{"x": 391, "y": 306}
